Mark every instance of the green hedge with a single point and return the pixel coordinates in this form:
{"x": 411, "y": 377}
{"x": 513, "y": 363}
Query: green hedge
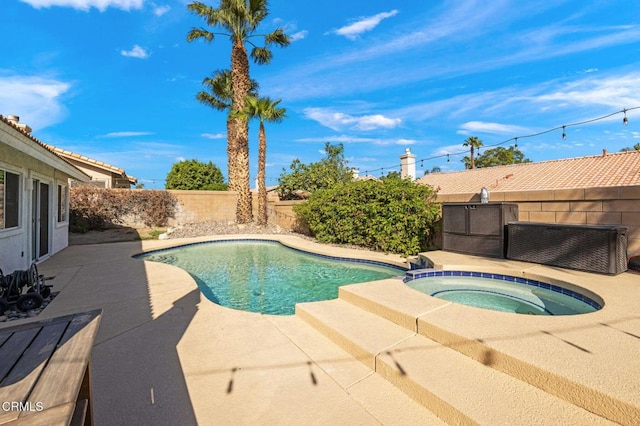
{"x": 392, "y": 215}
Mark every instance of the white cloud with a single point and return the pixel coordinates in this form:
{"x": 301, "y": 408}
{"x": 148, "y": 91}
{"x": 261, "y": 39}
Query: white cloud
{"x": 339, "y": 120}
{"x": 214, "y": 136}
{"x": 405, "y": 142}
{"x": 35, "y": 100}
{"x": 135, "y": 52}
{"x": 615, "y": 91}
{"x": 352, "y": 31}
{"x": 126, "y": 134}
{"x": 471, "y": 127}
{"x": 161, "y": 10}
{"x": 85, "y": 5}
{"x": 299, "y": 35}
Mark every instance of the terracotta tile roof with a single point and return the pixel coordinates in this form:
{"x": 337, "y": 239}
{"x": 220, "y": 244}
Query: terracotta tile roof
{"x": 26, "y": 130}
{"x": 81, "y": 158}
{"x": 68, "y": 155}
{"x": 609, "y": 169}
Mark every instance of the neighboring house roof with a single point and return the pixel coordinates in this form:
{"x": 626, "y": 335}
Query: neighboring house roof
{"x": 91, "y": 162}
{"x": 366, "y": 177}
{"x": 41, "y": 150}
{"x": 606, "y": 170}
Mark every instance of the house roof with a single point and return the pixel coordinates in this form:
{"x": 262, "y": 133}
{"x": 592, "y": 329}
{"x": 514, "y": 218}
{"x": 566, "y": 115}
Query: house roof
{"x": 606, "y": 170}
{"x": 91, "y": 162}
{"x": 39, "y": 148}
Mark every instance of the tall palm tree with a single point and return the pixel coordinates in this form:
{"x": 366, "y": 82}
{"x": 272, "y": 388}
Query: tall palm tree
{"x": 220, "y": 97}
{"x": 239, "y": 19}
{"x": 264, "y": 109}
{"x": 474, "y": 143}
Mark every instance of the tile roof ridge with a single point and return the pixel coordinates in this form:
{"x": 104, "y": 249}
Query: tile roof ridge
{"x": 85, "y": 159}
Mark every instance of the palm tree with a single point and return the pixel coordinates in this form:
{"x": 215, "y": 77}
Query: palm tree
{"x": 220, "y": 97}
{"x": 264, "y": 109}
{"x": 474, "y": 143}
{"x": 239, "y": 19}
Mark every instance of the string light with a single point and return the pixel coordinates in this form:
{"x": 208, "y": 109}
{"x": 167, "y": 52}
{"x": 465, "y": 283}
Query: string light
{"x": 516, "y": 144}
{"x": 625, "y": 121}
{"x": 422, "y": 164}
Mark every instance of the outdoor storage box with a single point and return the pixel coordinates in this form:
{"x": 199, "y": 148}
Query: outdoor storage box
{"x": 589, "y": 248}
{"x": 477, "y": 228}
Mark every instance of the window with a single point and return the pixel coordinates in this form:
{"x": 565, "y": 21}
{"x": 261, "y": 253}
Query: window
{"x": 9, "y": 199}
{"x": 63, "y": 197}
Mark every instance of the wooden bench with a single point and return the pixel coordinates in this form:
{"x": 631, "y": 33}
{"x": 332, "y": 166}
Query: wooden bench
{"x": 45, "y": 371}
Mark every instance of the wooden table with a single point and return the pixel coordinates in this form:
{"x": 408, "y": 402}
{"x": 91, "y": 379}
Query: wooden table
{"x": 45, "y": 371}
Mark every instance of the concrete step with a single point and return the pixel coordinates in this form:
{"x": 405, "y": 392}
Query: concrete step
{"x": 385, "y": 402}
{"x": 456, "y": 388}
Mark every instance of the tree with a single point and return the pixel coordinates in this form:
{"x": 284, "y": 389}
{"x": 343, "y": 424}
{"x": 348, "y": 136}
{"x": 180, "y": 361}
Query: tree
{"x": 435, "y": 169}
{"x": 474, "y": 143}
{"x": 194, "y": 175}
{"x": 219, "y": 95}
{"x": 239, "y": 19}
{"x": 498, "y": 157}
{"x": 636, "y": 147}
{"x": 264, "y": 109}
{"x": 329, "y": 171}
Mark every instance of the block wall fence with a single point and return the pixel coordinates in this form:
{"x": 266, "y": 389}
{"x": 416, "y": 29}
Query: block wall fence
{"x": 592, "y": 206}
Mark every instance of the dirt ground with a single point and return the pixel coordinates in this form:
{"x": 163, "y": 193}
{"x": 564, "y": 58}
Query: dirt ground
{"x": 114, "y": 235}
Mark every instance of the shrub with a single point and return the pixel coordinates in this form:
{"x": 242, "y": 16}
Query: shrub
{"x": 391, "y": 215}
{"x": 92, "y": 208}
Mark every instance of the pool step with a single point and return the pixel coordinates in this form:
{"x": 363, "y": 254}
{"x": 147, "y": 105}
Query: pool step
{"x": 458, "y": 389}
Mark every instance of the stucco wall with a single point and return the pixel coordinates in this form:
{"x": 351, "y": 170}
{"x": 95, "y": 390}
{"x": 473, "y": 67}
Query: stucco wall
{"x": 15, "y": 244}
{"x": 592, "y": 206}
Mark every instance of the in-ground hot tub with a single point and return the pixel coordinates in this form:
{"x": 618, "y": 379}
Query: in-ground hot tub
{"x": 504, "y": 293}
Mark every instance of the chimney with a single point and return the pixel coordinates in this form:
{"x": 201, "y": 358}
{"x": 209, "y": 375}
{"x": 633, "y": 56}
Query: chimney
{"x": 408, "y": 165}
{"x": 604, "y": 152}
{"x": 15, "y": 120}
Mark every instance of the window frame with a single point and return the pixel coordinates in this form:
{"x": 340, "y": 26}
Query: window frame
{"x": 62, "y": 203}
{"x": 18, "y": 201}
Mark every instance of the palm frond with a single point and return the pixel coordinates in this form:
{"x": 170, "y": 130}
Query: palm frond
{"x": 261, "y": 55}
{"x": 277, "y": 37}
{"x": 209, "y": 100}
{"x": 197, "y": 33}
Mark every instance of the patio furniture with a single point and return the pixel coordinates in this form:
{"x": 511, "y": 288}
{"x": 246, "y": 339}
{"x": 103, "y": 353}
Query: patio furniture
{"x": 45, "y": 371}
{"x": 590, "y": 248}
{"x": 477, "y": 228}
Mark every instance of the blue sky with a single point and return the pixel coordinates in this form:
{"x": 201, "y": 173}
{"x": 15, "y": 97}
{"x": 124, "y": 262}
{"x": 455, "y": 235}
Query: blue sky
{"x": 115, "y": 80}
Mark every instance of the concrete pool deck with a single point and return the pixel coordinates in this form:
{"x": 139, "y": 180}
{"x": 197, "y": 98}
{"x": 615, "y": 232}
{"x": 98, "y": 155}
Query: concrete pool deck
{"x": 166, "y": 355}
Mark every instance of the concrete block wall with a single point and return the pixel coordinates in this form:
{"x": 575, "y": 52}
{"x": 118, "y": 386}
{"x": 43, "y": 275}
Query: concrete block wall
{"x": 205, "y": 206}
{"x": 591, "y": 206}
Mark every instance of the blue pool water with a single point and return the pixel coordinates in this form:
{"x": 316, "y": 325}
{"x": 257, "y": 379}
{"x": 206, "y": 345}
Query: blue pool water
{"x": 502, "y": 293}
{"x": 267, "y": 277}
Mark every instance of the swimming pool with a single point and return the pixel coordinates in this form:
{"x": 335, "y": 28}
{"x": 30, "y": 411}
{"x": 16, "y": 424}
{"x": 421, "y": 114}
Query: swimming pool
{"x": 266, "y": 276}
{"x": 501, "y": 292}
